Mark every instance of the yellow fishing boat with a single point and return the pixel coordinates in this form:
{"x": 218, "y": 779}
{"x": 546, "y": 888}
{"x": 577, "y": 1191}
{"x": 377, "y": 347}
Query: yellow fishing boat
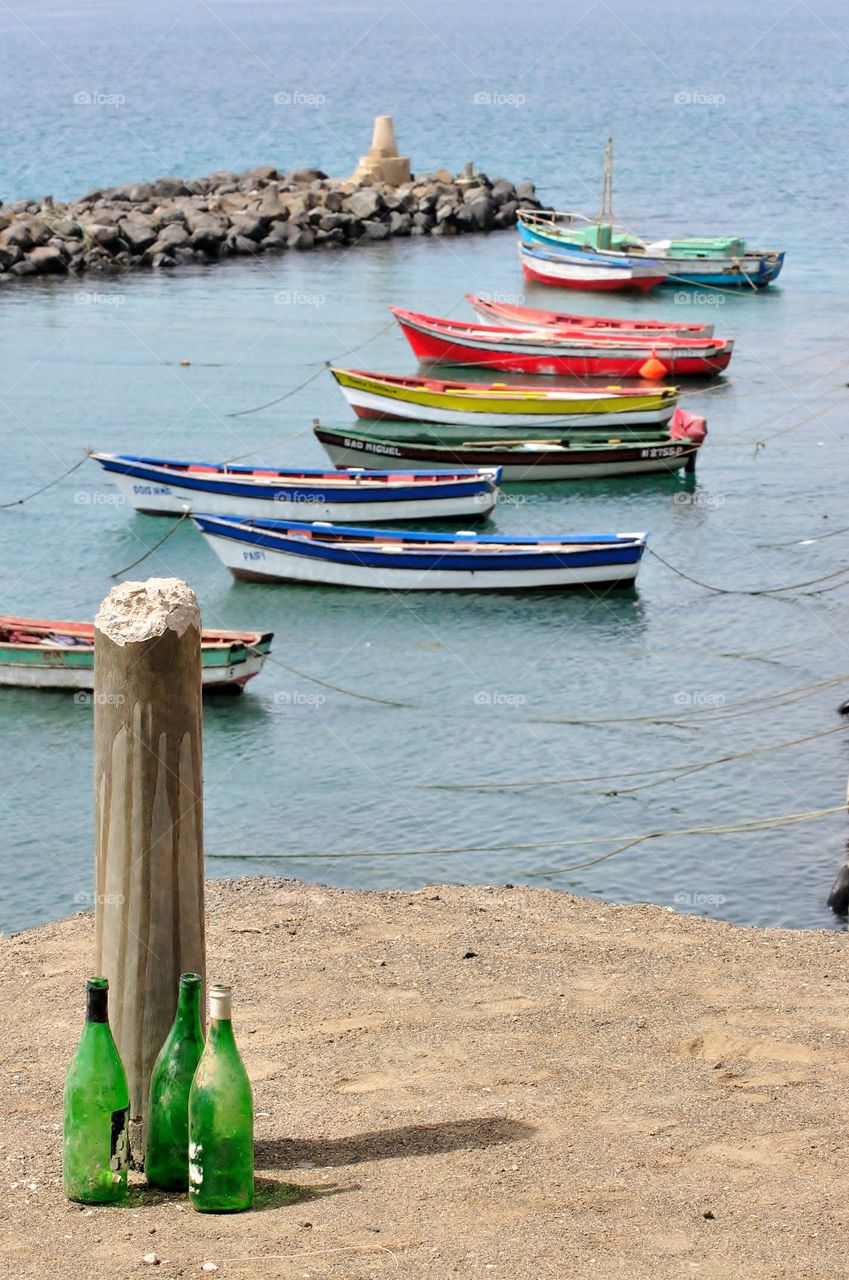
{"x": 496, "y": 404}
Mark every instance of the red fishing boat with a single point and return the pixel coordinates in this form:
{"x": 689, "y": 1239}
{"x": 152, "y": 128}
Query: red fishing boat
{"x": 561, "y": 351}
{"x": 491, "y": 311}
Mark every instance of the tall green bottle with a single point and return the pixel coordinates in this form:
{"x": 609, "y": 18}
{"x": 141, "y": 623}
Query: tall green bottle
{"x": 221, "y": 1119}
{"x": 166, "y": 1161}
{"x": 95, "y": 1146}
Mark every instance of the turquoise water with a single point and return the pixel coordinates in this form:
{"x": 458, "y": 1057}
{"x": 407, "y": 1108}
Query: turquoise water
{"x": 482, "y": 750}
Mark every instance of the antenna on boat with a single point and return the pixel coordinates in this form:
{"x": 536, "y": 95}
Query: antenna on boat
{"x": 606, "y": 213}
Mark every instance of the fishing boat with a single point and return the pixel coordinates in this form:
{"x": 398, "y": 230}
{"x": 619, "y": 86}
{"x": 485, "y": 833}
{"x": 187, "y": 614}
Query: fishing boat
{"x": 550, "y": 241}
{"x": 492, "y": 311}
{"x": 440, "y": 341}
{"x": 36, "y": 653}
{"x": 580, "y": 267}
{"x": 160, "y": 486}
{"x": 579, "y": 456}
{"x": 345, "y": 556}
{"x": 488, "y": 405}
{"x": 705, "y": 261}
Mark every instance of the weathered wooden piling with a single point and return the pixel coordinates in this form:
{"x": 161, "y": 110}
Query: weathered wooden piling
{"x": 149, "y": 916}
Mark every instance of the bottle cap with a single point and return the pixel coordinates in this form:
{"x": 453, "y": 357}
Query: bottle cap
{"x": 220, "y": 1001}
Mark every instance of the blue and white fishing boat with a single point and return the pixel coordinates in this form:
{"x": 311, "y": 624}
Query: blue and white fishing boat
{"x": 575, "y": 252}
{"x": 286, "y": 551}
{"x": 550, "y": 242}
{"x": 160, "y": 486}
{"x": 583, "y": 267}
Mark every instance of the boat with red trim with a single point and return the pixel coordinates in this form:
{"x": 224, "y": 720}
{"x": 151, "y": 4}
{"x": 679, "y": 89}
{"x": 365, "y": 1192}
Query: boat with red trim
{"x": 482, "y": 406}
{"x": 495, "y": 311}
{"x": 162, "y": 486}
{"x": 441, "y": 341}
{"x": 578, "y": 456}
{"x": 39, "y": 653}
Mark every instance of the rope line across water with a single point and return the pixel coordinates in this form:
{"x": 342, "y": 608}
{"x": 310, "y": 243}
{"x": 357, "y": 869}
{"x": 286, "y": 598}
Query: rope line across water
{"x": 766, "y": 823}
{"x": 18, "y": 502}
{"x": 673, "y": 771}
{"x": 241, "y": 413}
{"x": 175, "y": 526}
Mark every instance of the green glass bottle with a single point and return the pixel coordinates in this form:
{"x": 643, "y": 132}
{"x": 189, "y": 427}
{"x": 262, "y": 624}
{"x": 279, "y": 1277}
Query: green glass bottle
{"x": 95, "y": 1147}
{"x": 166, "y": 1161}
{"x": 221, "y": 1119}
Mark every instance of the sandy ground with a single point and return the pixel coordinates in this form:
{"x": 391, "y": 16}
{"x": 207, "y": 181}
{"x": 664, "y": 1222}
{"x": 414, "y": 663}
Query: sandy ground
{"x": 470, "y": 1082}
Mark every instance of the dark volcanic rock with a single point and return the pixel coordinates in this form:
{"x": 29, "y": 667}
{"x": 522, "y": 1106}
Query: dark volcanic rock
{"x": 299, "y": 237}
{"x": 300, "y": 177}
{"x": 168, "y": 188}
{"x": 105, "y": 235}
{"x": 376, "y": 230}
{"x": 399, "y": 223}
{"x": 68, "y": 229}
{"x": 9, "y": 255}
{"x": 365, "y": 203}
{"x": 47, "y": 260}
{"x": 483, "y": 212}
{"x": 172, "y": 221}
{"x": 138, "y": 233}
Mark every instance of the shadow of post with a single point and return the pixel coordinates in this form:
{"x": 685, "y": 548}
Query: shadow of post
{"x": 390, "y": 1144}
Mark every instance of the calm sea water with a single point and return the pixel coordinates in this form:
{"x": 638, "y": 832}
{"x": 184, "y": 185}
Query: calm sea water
{"x": 719, "y": 126}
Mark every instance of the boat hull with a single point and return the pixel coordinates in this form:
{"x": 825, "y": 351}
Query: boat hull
{"x": 27, "y": 675}
{"x": 521, "y": 317}
{"x": 260, "y": 556}
{"x": 228, "y": 661}
{"x": 520, "y": 464}
{"x": 754, "y": 269}
{"x": 152, "y": 490}
{"x": 373, "y": 398}
{"x": 722, "y": 273}
{"x": 560, "y": 356}
{"x": 575, "y": 270}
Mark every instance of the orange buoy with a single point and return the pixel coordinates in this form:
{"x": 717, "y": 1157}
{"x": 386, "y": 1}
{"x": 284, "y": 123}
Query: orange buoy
{"x": 653, "y": 368}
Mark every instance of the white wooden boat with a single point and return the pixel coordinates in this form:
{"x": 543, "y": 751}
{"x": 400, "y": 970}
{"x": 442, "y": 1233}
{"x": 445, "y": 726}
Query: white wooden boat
{"x": 336, "y": 555}
{"x": 161, "y": 486}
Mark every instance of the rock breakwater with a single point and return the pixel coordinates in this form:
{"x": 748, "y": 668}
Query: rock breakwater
{"x": 171, "y": 221}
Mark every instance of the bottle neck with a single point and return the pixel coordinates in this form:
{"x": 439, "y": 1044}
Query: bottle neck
{"x": 220, "y": 1034}
{"x": 188, "y": 1001}
{"x": 97, "y": 1004}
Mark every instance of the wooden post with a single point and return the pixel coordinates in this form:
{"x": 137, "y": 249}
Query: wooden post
{"x": 149, "y": 913}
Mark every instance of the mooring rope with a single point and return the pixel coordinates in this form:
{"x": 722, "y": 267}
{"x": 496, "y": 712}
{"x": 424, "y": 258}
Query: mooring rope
{"x": 730, "y": 711}
{"x": 740, "y": 591}
{"x": 766, "y": 823}
{"x": 673, "y": 771}
{"x": 175, "y": 526}
{"x": 241, "y": 413}
{"x": 20, "y": 501}
{"x": 337, "y": 688}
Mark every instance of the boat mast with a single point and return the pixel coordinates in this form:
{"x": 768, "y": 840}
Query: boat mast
{"x": 604, "y": 236}
{"x": 606, "y": 213}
